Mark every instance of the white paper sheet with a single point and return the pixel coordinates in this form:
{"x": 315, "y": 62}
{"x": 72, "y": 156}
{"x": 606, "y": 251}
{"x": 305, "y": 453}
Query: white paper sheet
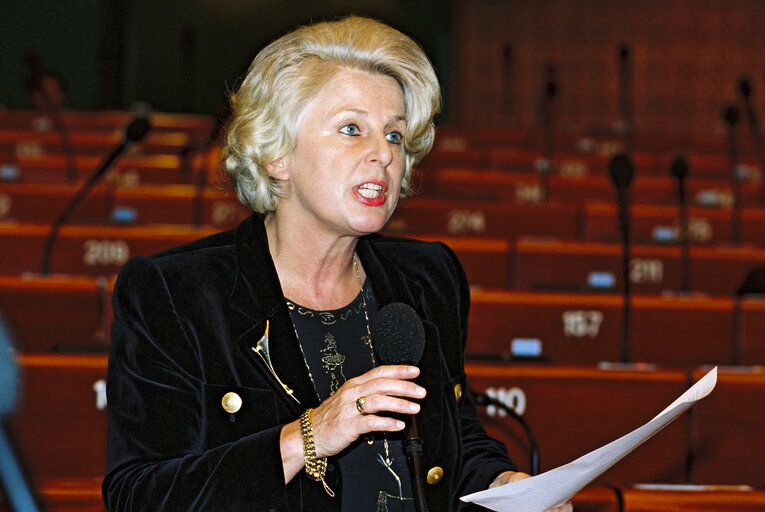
{"x": 559, "y": 485}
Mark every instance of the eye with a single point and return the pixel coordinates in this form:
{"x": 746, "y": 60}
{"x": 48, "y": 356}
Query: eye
{"x": 350, "y": 129}
{"x": 394, "y": 137}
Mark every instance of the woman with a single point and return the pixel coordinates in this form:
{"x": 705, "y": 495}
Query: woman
{"x": 243, "y": 374}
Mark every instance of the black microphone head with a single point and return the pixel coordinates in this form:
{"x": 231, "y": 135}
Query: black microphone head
{"x": 730, "y": 114}
{"x": 398, "y": 335}
{"x": 745, "y": 87}
{"x": 679, "y": 168}
{"x": 624, "y": 52}
{"x": 137, "y": 129}
{"x": 621, "y": 170}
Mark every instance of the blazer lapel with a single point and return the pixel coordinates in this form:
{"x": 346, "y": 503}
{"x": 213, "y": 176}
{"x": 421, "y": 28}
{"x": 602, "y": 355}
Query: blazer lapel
{"x": 258, "y": 297}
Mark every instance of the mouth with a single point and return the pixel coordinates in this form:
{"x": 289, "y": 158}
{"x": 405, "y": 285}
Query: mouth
{"x": 371, "y": 190}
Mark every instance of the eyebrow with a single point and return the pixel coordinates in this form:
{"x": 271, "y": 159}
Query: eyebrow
{"x": 364, "y": 113}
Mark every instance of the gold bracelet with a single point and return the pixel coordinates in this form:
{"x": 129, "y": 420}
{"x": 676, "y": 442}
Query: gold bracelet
{"x": 315, "y": 468}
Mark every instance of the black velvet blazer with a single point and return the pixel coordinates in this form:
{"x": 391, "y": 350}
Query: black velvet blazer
{"x": 186, "y": 323}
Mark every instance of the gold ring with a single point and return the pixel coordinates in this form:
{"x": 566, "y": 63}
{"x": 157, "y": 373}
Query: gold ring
{"x": 360, "y": 402}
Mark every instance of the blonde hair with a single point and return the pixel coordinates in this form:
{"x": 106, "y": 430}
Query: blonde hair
{"x": 288, "y": 73}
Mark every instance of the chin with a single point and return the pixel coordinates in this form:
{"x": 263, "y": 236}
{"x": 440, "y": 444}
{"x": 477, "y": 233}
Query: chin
{"x": 369, "y": 224}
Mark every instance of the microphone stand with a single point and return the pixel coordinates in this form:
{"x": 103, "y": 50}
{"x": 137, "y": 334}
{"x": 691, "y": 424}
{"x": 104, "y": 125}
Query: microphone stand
{"x": 680, "y": 172}
{"x": 622, "y": 172}
{"x": 136, "y": 130}
{"x": 730, "y": 116}
{"x": 548, "y": 148}
{"x": 745, "y": 90}
{"x": 485, "y": 400}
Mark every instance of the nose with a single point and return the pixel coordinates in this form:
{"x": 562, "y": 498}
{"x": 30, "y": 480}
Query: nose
{"x": 380, "y": 151}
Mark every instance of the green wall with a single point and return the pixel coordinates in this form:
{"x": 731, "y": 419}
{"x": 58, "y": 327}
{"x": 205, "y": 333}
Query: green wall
{"x": 180, "y": 56}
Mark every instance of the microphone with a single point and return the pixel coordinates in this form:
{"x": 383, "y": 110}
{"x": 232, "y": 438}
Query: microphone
{"x": 486, "y": 401}
{"x": 135, "y": 132}
{"x": 622, "y": 172}
{"x": 730, "y": 115}
{"x": 755, "y": 130}
{"x": 399, "y": 338}
{"x": 12, "y": 478}
{"x": 679, "y": 170}
{"x": 624, "y": 125}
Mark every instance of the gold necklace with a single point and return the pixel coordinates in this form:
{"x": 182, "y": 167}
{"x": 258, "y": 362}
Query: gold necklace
{"x": 368, "y": 342}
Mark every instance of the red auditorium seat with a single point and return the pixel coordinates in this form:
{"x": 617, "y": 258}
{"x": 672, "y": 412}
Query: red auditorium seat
{"x": 586, "y": 328}
{"x": 479, "y": 218}
{"x": 487, "y": 261}
{"x": 106, "y": 121}
{"x": 128, "y": 170}
{"x": 582, "y": 266}
{"x": 751, "y": 330}
{"x": 60, "y": 424}
{"x": 574, "y": 410}
{"x": 55, "y": 313}
{"x": 693, "y": 499}
{"x": 34, "y": 142}
{"x": 727, "y": 434}
{"x": 656, "y": 224}
{"x": 88, "y": 250}
{"x": 66, "y": 495}
{"x": 147, "y": 204}
{"x": 578, "y": 189}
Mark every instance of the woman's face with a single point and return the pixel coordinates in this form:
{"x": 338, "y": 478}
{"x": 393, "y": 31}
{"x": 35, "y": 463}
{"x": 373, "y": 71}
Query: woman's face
{"x": 345, "y": 172}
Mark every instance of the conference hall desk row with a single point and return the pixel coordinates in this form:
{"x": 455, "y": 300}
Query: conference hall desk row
{"x": 60, "y": 425}
{"x": 173, "y": 203}
{"x": 132, "y": 169}
{"x": 460, "y": 138}
{"x": 103, "y": 121}
{"x": 84, "y": 495}
{"x": 528, "y": 263}
{"x": 69, "y": 314}
{"x": 583, "y": 163}
{"x": 38, "y": 144}
{"x": 533, "y": 188}
{"x": 593, "y": 221}
{"x": 123, "y": 205}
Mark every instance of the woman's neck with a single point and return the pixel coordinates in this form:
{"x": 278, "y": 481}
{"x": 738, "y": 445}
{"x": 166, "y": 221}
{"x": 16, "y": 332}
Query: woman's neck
{"x": 314, "y": 271}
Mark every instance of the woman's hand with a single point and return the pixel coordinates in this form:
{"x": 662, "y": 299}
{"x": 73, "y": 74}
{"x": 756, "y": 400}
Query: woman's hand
{"x": 337, "y": 422}
{"x": 513, "y": 476}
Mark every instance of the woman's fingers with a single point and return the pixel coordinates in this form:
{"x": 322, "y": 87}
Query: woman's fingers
{"x": 356, "y": 407}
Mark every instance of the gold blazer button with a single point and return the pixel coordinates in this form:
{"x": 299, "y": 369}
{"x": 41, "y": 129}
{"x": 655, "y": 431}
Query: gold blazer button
{"x": 458, "y": 392}
{"x": 435, "y": 474}
{"x": 231, "y": 402}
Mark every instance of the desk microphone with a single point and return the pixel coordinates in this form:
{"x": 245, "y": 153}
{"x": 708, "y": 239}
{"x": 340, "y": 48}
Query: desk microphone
{"x": 730, "y": 115}
{"x": 680, "y": 171}
{"x": 399, "y": 338}
{"x": 135, "y": 132}
{"x": 622, "y": 172}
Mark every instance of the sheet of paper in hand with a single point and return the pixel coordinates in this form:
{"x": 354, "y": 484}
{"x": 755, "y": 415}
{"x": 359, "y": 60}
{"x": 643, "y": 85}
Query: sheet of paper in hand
{"x": 559, "y": 485}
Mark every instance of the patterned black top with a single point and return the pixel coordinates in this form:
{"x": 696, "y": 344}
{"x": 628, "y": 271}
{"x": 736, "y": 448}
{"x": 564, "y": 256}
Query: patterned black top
{"x": 336, "y": 345}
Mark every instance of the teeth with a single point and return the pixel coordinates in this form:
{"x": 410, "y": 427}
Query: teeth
{"x": 370, "y": 190}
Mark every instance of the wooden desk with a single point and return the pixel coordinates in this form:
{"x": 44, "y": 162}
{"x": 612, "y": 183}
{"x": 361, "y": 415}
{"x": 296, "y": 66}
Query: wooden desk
{"x": 60, "y": 425}
{"x": 88, "y": 250}
{"x": 52, "y": 313}
{"x": 480, "y": 218}
{"x": 727, "y": 436}
{"x": 574, "y": 410}
{"x": 586, "y": 328}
